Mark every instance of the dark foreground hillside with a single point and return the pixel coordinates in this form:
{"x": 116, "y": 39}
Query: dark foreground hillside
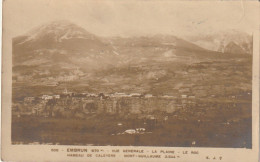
{"x": 227, "y": 126}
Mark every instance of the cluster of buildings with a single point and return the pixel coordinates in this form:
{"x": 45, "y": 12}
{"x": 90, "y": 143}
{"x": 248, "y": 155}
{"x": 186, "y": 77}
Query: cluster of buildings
{"x": 119, "y": 102}
{"x": 87, "y": 103}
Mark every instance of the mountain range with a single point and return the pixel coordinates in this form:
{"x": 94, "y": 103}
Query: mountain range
{"x": 62, "y": 54}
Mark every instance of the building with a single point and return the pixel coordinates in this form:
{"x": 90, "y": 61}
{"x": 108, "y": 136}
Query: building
{"x": 135, "y": 95}
{"x": 47, "y": 97}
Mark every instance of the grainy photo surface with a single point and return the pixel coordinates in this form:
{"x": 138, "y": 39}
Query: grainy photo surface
{"x": 132, "y": 74}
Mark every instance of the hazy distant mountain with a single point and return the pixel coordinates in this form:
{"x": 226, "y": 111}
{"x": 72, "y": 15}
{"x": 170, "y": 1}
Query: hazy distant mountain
{"x": 230, "y": 41}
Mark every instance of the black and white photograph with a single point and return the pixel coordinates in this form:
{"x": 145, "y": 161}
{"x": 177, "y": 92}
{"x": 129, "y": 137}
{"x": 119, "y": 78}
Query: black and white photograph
{"x": 132, "y": 73}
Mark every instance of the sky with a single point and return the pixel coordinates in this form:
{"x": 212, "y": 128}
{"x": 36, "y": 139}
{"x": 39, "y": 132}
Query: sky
{"x": 134, "y": 18}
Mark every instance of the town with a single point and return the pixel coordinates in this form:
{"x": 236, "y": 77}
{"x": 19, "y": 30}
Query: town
{"x": 69, "y": 104}
{"x": 193, "y": 105}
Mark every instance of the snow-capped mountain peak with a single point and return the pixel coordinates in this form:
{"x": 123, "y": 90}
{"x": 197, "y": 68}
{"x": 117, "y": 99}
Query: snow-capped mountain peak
{"x": 229, "y": 41}
{"x": 58, "y": 31}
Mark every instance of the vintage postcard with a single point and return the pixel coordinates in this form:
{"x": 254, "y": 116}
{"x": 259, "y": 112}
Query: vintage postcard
{"x": 111, "y": 80}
